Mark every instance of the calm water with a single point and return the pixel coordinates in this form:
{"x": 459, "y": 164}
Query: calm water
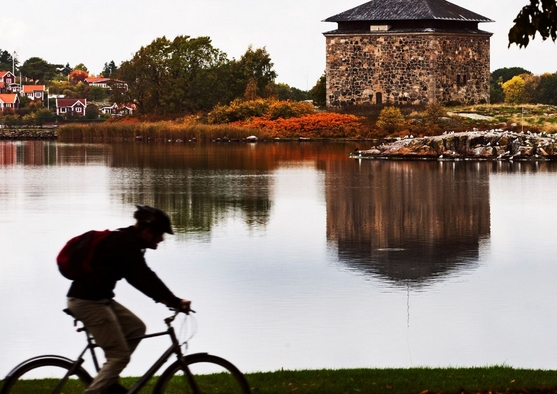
{"x": 294, "y": 255}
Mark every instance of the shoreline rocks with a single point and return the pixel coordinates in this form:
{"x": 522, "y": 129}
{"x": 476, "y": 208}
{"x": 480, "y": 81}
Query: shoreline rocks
{"x": 28, "y": 134}
{"x": 469, "y": 145}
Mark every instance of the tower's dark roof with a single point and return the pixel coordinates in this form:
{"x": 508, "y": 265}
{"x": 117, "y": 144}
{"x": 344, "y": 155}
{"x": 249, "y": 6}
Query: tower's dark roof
{"x": 398, "y": 10}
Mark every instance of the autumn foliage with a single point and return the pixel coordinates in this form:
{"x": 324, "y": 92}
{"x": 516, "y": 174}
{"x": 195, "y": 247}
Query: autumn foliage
{"x": 285, "y": 119}
{"x": 78, "y": 76}
{"x": 316, "y": 125}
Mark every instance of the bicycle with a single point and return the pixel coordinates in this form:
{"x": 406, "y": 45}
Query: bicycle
{"x": 55, "y": 374}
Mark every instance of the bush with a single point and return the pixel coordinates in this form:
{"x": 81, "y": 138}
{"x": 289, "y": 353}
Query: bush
{"x": 433, "y": 114}
{"x": 289, "y": 109}
{"x": 390, "y": 119}
{"x": 240, "y": 110}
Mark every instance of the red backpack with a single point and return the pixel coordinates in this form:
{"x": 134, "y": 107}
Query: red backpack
{"x": 74, "y": 260}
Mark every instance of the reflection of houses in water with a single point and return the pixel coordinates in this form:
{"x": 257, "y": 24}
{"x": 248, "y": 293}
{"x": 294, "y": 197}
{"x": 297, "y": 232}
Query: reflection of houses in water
{"x": 407, "y": 221}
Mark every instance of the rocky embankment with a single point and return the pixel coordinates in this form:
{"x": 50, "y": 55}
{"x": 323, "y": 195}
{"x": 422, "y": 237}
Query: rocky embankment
{"x": 28, "y": 134}
{"x": 470, "y": 145}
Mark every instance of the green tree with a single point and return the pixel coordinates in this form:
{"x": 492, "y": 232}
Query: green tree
{"x": 92, "y": 112}
{"x": 24, "y": 101}
{"x": 496, "y": 94}
{"x": 531, "y": 88}
{"x": 504, "y": 74}
{"x": 109, "y": 69}
{"x": 96, "y": 93}
{"x": 81, "y": 67}
{"x": 43, "y": 116}
{"x": 146, "y": 74}
{"x": 547, "y": 89}
{"x": 195, "y": 75}
{"x": 319, "y": 91}
{"x": 285, "y": 92}
{"x": 7, "y": 62}
{"x": 66, "y": 70}
{"x": 173, "y": 77}
{"x": 39, "y": 70}
{"x": 254, "y": 64}
{"x": 513, "y": 90}
{"x": 540, "y": 16}
{"x": 500, "y": 76}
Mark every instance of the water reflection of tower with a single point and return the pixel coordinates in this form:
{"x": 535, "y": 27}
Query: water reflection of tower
{"x": 407, "y": 221}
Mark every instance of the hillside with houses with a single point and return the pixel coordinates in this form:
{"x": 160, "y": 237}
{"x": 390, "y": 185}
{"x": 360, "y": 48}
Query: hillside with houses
{"x": 14, "y": 90}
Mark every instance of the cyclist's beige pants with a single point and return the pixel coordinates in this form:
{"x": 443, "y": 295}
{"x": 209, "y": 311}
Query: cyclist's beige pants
{"x": 110, "y": 324}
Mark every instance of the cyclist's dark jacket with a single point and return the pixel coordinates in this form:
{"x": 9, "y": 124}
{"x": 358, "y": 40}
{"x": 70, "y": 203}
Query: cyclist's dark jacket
{"x": 121, "y": 256}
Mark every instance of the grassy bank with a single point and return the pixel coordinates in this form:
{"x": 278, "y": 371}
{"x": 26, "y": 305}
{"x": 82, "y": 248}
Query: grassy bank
{"x": 361, "y": 124}
{"x": 397, "y": 381}
{"x": 535, "y": 117}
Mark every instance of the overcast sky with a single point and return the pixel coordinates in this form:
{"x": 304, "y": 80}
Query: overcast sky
{"x": 67, "y": 31}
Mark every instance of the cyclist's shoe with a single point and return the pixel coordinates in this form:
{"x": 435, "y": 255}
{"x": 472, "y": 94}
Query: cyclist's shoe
{"x": 116, "y": 389}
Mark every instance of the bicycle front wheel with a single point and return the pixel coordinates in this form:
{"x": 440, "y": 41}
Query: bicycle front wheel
{"x": 211, "y": 374}
{"x": 45, "y": 376}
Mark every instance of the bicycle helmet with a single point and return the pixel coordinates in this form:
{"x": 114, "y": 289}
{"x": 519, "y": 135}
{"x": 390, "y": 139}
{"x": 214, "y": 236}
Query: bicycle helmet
{"x": 153, "y": 218}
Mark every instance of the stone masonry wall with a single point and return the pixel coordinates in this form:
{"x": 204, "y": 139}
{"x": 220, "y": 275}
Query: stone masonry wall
{"x": 407, "y": 69}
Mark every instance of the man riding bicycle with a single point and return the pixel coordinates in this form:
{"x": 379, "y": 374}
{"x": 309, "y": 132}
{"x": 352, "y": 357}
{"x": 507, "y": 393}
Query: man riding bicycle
{"x": 91, "y": 298}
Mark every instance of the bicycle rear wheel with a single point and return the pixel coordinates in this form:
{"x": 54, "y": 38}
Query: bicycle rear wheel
{"x": 212, "y": 374}
{"x": 43, "y": 376}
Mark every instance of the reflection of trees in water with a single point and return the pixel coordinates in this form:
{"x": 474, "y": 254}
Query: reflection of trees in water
{"x": 192, "y": 187}
{"x": 407, "y": 221}
{"x": 197, "y": 200}
{"x": 201, "y": 185}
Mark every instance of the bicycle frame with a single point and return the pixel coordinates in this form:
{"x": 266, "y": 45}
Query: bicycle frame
{"x": 173, "y": 349}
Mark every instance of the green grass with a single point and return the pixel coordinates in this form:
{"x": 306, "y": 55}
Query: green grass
{"x": 497, "y": 379}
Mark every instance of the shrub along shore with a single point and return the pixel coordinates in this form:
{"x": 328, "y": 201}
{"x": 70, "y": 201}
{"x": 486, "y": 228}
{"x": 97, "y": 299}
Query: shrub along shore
{"x": 486, "y": 380}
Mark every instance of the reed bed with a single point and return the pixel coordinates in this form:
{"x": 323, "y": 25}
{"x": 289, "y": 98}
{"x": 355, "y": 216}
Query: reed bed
{"x": 155, "y": 131}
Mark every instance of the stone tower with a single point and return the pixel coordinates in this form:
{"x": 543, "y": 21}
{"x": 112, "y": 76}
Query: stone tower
{"x": 407, "y": 52}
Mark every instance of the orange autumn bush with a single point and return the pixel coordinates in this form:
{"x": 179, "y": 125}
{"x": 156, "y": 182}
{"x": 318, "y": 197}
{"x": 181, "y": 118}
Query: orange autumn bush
{"x": 316, "y": 125}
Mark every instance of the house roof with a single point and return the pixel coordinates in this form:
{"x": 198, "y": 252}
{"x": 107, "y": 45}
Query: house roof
{"x": 33, "y": 88}
{"x": 70, "y": 102}
{"x": 97, "y": 79}
{"x": 4, "y": 72}
{"x": 8, "y": 97}
{"x": 399, "y": 10}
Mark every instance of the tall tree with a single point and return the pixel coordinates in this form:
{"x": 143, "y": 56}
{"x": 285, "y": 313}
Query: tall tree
{"x": 504, "y": 74}
{"x": 286, "y": 92}
{"x": 145, "y": 75}
{"x": 109, "y": 69}
{"x": 7, "y": 62}
{"x": 514, "y": 89}
{"x": 540, "y": 16}
{"x": 547, "y": 89}
{"x": 498, "y": 78}
{"x": 81, "y": 67}
{"x": 194, "y": 75}
{"x": 39, "y": 70}
{"x": 172, "y": 77}
{"x": 254, "y": 64}
{"x": 319, "y": 91}
{"x": 66, "y": 70}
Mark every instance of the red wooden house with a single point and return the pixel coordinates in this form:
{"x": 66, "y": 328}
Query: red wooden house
{"x": 7, "y": 82}
{"x": 70, "y": 107}
{"x": 34, "y": 92}
{"x": 9, "y": 101}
